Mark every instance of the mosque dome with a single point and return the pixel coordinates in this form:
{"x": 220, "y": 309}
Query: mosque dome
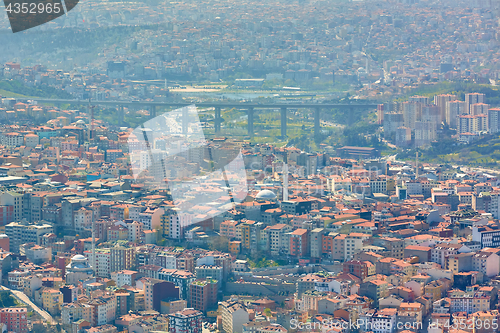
{"x": 78, "y": 257}
{"x": 266, "y": 195}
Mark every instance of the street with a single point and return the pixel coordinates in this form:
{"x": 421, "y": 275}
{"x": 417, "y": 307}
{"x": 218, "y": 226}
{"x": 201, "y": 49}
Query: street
{"x": 21, "y": 297}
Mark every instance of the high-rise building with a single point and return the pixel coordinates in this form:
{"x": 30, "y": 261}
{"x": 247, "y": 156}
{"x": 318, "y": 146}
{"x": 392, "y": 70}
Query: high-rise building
{"x": 480, "y": 123}
{"x": 419, "y": 99}
{"x": 494, "y": 120}
{"x": 392, "y": 121}
{"x": 440, "y": 101}
{"x": 380, "y": 114}
{"x": 431, "y": 114}
{"x": 464, "y": 123}
{"x": 203, "y": 294}
{"x": 121, "y": 258}
{"x": 185, "y": 321}
{"x": 479, "y": 108}
{"x": 472, "y": 123}
{"x": 412, "y": 112}
{"x": 453, "y": 110}
{"x": 473, "y": 98}
{"x": 403, "y": 136}
{"x": 425, "y": 133}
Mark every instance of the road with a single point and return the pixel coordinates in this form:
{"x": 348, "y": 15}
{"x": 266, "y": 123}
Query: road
{"x": 485, "y": 170}
{"x": 20, "y": 296}
{"x": 241, "y": 105}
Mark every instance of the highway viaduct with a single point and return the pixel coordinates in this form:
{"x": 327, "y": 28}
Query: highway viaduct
{"x": 218, "y": 106}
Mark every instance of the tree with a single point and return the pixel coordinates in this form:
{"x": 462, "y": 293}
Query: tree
{"x": 219, "y": 244}
{"x": 267, "y": 312}
{"x": 6, "y": 299}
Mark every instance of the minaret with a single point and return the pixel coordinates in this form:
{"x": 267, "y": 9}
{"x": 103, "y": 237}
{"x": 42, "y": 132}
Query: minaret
{"x": 89, "y": 130}
{"x": 416, "y": 166}
{"x": 285, "y": 178}
{"x": 93, "y": 246}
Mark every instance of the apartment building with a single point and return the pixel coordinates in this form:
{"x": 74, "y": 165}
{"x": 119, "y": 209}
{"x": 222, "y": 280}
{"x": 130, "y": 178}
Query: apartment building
{"x": 469, "y": 302}
{"x": 25, "y": 232}
{"x": 203, "y": 294}
{"x": 277, "y": 238}
{"x": 16, "y": 319}
{"x": 185, "y": 321}
{"x": 234, "y": 314}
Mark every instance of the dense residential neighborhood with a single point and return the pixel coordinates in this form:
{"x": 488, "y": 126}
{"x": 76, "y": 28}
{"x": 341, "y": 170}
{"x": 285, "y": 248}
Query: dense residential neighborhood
{"x": 322, "y": 237}
{"x": 323, "y": 166}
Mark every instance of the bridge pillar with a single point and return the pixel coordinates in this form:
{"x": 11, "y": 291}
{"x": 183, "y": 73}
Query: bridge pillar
{"x": 350, "y": 118}
{"x": 121, "y": 115}
{"x": 250, "y": 122}
{"x": 152, "y": 111}
{"x": 317, "y": 124}
{"x": 283, "y": 122}
{"x": 217, "y": 120}
{"x": 185, "y": 120}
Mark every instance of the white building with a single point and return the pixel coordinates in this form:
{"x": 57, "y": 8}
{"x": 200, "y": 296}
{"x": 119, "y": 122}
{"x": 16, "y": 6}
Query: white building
{"x": 12, "y": 139}
{"x": 175, "y": 223}
{"x": 22, "y": 232}
{"x": 104, "y": 311}
{"x": 83, "y": 219}
{"x": 487, "y": 262}
{"x": 124, "y": 277}
{"x": 135, "y": 230}
{"x": 234, "y": 314}
{"x": 102, "y": 261}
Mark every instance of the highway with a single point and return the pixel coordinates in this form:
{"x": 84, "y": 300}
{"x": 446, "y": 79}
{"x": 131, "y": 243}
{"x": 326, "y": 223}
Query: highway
{"x": 250, "y": 107}
{"x": 22, "y": 297}
{"x": 242, "y": 105}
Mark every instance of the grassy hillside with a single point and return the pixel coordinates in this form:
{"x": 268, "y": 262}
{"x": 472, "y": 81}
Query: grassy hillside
{"x": 483, "y": 152}
{"x": 456, "y": 88}
{"x": 12, "y": 88}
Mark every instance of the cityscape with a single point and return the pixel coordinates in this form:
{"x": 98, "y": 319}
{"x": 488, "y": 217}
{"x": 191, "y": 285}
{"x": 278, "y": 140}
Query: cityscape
{"x": 325, "y": 166}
